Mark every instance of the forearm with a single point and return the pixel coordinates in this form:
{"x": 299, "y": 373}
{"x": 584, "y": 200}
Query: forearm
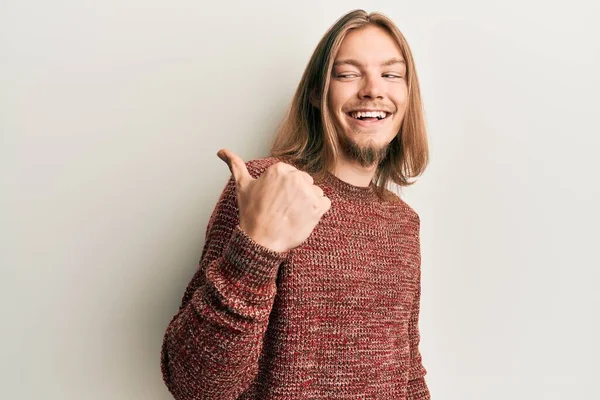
{"x": 211, "y": 347}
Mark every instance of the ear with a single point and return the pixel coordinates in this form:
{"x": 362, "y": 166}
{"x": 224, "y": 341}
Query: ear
{"x": 315, "y": 99}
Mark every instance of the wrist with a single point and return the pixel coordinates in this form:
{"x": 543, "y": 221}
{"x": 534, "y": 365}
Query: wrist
{"x": 262, "y": 240}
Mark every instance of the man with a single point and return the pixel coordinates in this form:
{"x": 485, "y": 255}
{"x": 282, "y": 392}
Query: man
{"x": 309, "y": 282}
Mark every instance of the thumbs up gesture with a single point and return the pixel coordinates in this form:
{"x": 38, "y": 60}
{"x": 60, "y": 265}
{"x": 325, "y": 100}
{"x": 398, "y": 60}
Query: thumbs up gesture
{"x": 280, "y": 209}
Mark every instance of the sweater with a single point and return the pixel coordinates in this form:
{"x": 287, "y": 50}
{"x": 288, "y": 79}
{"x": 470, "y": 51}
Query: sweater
{"x": 334, "y": 318}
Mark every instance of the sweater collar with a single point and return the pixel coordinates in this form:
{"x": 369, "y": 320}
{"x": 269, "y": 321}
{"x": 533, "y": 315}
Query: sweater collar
{"x": 341, "y": 189}
{"x": 347, "y": 191}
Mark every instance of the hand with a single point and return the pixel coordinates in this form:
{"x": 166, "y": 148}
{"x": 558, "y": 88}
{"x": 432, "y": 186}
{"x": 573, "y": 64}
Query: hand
{"x": 280, "y": 209}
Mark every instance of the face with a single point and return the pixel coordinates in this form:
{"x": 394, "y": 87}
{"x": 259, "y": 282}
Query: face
{"x": 368, "y": 94}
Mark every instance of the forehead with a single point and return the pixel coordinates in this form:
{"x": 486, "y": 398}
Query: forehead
{"x": 370, "y": 44}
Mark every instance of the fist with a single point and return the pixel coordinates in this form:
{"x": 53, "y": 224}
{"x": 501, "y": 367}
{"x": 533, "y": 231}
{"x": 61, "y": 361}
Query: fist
{"x": 280, "y": 209}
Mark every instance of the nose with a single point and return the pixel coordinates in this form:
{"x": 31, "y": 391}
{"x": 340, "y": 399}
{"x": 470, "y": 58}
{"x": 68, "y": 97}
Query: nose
{"x": 371, "y": 88}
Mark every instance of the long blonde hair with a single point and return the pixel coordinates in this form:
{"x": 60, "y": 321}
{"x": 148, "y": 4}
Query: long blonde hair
{"x": 307, "y": 136}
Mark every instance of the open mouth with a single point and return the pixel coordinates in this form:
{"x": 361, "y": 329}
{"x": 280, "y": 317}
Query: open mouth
{"x": 369, "y": 116}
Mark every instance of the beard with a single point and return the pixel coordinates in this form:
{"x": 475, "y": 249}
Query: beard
{"x": 366, "y": 155}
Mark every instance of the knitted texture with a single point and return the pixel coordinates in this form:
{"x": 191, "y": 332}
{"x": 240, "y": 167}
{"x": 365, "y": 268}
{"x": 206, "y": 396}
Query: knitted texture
{"x": 334, "y": 318}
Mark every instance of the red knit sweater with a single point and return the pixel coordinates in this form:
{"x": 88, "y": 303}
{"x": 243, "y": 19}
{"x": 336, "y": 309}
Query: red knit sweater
{"x": 335, "y": 318}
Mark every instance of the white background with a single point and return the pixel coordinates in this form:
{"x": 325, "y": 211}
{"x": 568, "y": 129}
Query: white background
{"x": 111, "y": 114}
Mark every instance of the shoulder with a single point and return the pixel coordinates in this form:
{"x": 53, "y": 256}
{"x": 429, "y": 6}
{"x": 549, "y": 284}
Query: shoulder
{"x": 404, "y": 208}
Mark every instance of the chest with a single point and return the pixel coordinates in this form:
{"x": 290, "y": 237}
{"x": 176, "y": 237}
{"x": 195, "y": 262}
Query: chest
{"x": 358, "y": 263}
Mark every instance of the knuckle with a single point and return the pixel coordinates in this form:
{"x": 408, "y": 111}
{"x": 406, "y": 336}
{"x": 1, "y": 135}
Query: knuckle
{"x": 308, "y": 177}
{"x": 272, "y": 168}
{"x": 297, "y": 178}
{"x": 275, "y": 167}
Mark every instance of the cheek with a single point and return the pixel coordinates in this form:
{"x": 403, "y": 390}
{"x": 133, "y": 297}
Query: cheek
{"x": 400, "y": 97}
{"x": 339, "y": 94}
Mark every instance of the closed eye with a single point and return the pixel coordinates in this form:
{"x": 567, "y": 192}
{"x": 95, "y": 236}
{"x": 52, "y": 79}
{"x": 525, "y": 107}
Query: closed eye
{"x": 384, "y": 75}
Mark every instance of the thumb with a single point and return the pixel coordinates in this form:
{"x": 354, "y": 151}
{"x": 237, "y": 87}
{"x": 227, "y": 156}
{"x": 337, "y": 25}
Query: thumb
{"x": 237, "y": 166}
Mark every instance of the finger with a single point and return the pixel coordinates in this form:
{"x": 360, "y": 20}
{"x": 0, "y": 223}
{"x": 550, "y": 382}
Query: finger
{"x": 308, "y": 178}
{"x": 325, "y": 204}
{"x": 283, "y": 167}
{"x": 237, "y": 166}
{"x": 318, "y": 191}
{"x": 305, "y": 176}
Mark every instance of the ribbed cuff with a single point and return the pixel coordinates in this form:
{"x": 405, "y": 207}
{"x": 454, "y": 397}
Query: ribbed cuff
{"x": 250, "y": 266}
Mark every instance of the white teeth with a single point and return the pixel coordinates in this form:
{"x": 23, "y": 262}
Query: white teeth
{"x": 368, "y": 114}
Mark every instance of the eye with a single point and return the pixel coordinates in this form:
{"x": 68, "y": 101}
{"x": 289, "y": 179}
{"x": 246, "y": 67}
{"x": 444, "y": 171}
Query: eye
{"x": 392, "y": 76}
{"x": 346, "y": 75}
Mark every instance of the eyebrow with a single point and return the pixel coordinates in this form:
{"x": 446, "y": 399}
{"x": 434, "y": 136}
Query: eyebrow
{"x": 351, "y": 61}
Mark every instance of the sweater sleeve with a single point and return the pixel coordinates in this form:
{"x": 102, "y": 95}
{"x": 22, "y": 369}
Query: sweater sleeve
{"x": 212, "y": 345}
{"x": 417, "y": 387}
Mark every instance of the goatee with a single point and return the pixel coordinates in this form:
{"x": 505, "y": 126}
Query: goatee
{"x": 366, "y": 155}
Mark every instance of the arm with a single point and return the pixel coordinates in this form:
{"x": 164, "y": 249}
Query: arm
{"x": 211, "y": 346}
{"x": 417, "y": 387}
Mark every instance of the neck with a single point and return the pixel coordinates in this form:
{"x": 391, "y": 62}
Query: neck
{"x": 352, "y": 172}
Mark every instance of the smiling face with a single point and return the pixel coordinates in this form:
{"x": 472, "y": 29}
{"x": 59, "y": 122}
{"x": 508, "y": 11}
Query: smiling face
{"x": 367, "y": 94}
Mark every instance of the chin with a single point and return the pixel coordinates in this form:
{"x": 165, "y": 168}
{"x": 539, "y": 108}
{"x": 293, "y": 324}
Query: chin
{"x": 366, "y": 152}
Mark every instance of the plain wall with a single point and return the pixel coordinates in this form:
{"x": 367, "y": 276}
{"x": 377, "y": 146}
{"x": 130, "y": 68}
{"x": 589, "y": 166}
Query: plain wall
{"x": 111, "y": 114}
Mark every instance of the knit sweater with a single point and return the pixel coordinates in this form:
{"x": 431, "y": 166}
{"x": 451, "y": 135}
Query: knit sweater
{"x": 334, "y": 318}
